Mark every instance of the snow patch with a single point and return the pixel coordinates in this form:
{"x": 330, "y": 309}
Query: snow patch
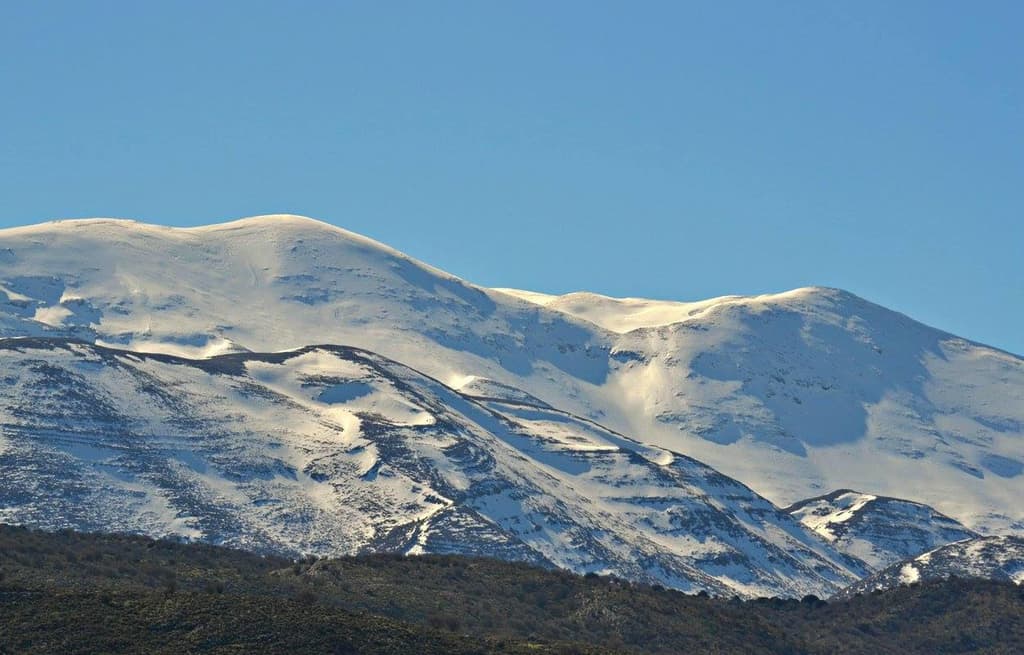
{"x": 53, "y": 315}
{"x": 909, "y": 574}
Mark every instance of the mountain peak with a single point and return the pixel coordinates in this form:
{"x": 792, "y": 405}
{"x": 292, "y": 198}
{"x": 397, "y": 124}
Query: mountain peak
{"x": 291, "y": 225}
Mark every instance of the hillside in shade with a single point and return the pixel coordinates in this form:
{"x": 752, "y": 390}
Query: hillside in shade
{"x": 998, "y": 558}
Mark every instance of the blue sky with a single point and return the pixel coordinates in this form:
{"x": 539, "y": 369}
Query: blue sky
{"x": 674, "y": 150}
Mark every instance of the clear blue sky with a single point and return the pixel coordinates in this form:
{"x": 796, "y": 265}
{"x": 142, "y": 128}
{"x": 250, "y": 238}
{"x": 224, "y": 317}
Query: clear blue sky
{"x": 676, "y": 150}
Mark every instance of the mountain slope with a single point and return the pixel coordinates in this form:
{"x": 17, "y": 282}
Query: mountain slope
{"x": 991, "y": 558}
{"x": 877, "y": 530}
{"x": 332, "y": 450}
{"x": 794, "y": 394}
{"x": 817, "y": 389}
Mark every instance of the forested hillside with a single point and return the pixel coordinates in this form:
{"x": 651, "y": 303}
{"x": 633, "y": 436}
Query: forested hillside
{"x": 79, "y": 593}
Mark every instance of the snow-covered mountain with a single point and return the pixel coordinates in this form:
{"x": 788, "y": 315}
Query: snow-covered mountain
{"x": 993, "y": 558}
{"x": 333, "y": 450}
{"x": 794, "y": 394}
{"x": 817, "y": 389}
{"x": 875, "y": 529}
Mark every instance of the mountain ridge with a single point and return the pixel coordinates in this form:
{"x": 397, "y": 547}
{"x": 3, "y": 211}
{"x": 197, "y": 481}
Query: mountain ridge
{"x": 879, "y": 530}
{"x": 281, "y": 221}
{"x": 999, "y": 558}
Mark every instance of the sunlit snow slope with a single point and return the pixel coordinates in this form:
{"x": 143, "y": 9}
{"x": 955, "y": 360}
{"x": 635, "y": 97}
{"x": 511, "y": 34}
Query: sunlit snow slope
{"x": 794, "y": 394}
{"x": 331, "y": 450}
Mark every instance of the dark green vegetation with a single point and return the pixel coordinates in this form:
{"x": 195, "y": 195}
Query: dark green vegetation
{"x": 77, "y": 593}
